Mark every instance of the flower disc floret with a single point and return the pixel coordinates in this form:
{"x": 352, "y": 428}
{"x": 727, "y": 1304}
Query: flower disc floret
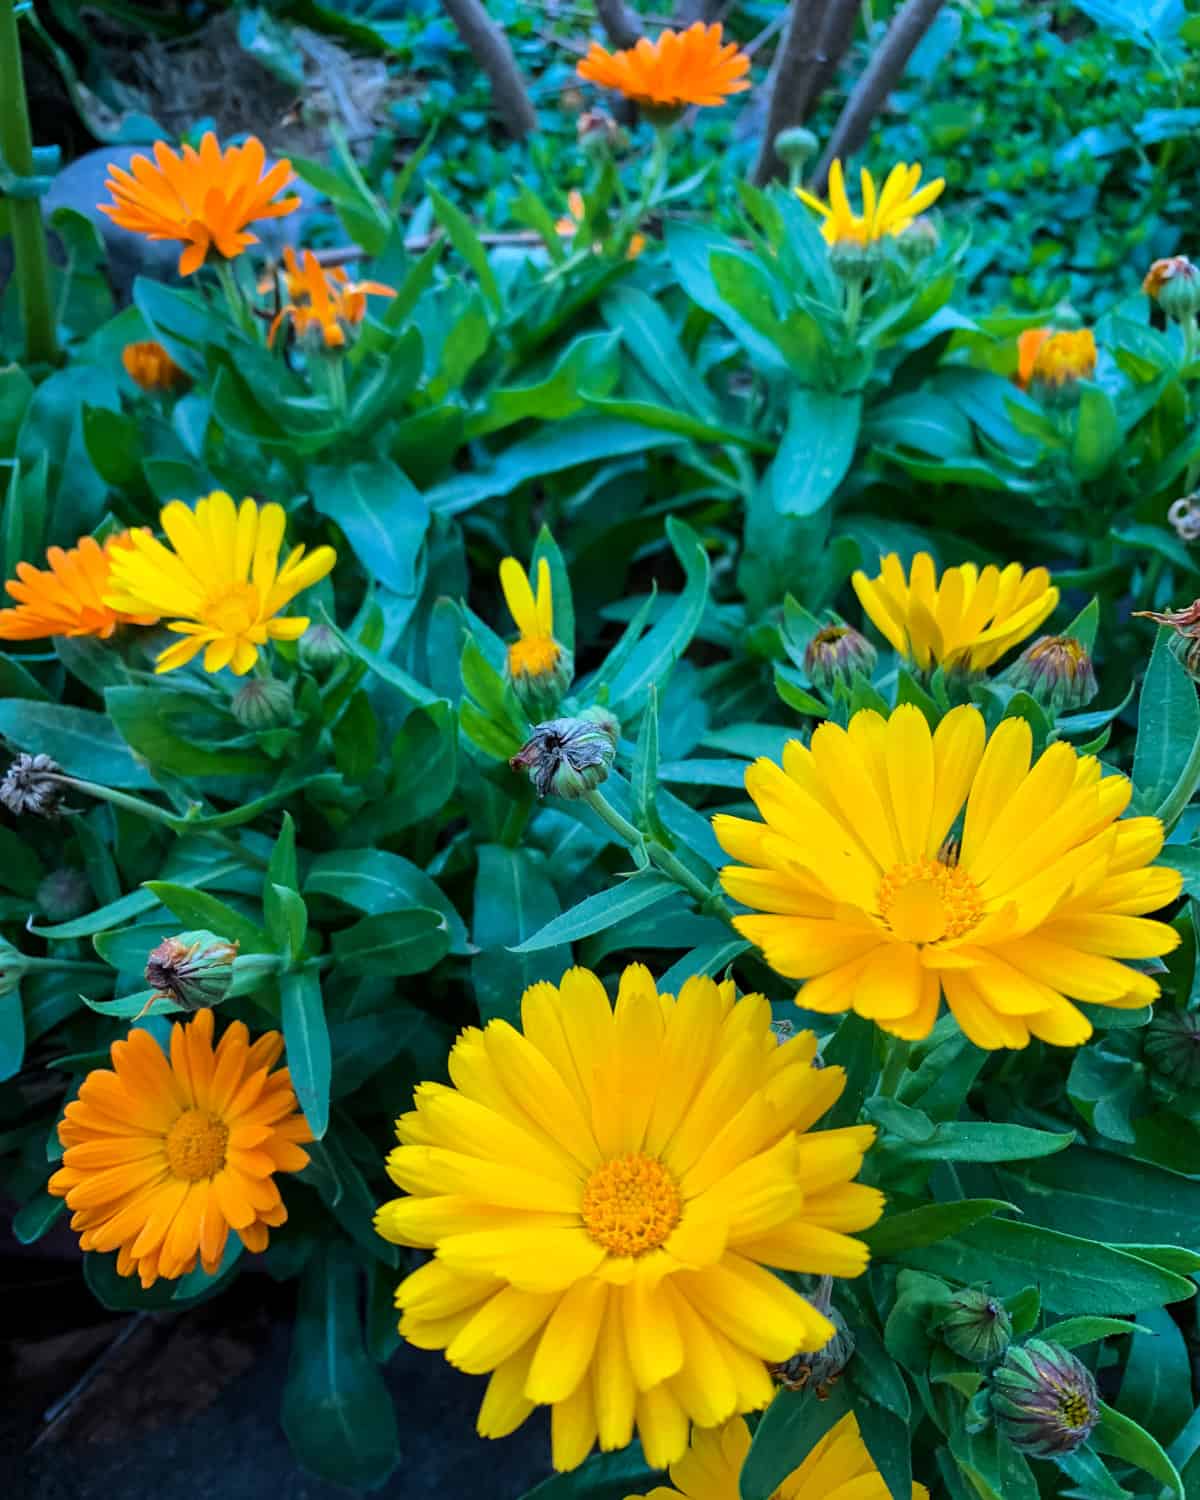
{"x": 220, "y": 582}
{"x": 604, "y": 1192}
{"x": 855, "y": 890}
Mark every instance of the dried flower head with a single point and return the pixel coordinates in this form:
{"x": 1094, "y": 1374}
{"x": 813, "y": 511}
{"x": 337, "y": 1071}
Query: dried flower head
{"x": 31, "y": 785}
{"x": 1184, "y": 516}
{"x": 1174, "y": 284}
{"x": 193, "y": 969}
{"x": 570, "y": 757}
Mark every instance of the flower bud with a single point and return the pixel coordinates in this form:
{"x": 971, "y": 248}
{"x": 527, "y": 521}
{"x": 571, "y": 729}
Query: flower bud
{"x": 31, "y": 785}
{"x": 262, "y": 703}
{"x": 919, "y": 241}
{"x": 194, "y": 969}
{"x": 570, "y": 757}
{"x": 1175, "y": 285}
{"x": 319, "y": 650}
{"x": 149, "y": 366}
{"x": 1171, "y": 1045}
{"x": 836, "y": 655}
{"x": 976, "y": 1326}
{"x": 795, "y": 146}
{"x": 1062, "y": 360}
{"x": 64, "y": 894}
{"x": 818, "y": 1369}
{"x": 1057, "y": 671}
{"x": 852, "y": 261}
{"x": 540, "y": 672}
{"x": 1043, "y": 1399}
{"x": 12, "y": 967}
{"x": 598, "y": 133}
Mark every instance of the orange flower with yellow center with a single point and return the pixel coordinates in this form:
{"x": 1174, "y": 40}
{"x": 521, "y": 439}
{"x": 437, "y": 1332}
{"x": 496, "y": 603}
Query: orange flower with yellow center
{"x": 326, "y": 302}
{"x": 149, "y": 366}
{"x": 165, "y": 1156}
{"x": 682, "y": 67}
{"x": 68, "y": 597}
{"x": 203, "y": 198}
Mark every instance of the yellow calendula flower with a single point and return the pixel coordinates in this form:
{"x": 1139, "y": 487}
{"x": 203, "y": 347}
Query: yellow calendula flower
{"x": 882, "y": 901}
{"x": 837, "y": 1468}
{"x": 605, "y": 1191}
{"x": 969, "y": 618}
{"x": 539, "y": 667}
{"x": 886, "y": 212}
{"x": 1064, "y": 358}
{"x": 219, "y": 584}
{"x": 165, "y": 1155}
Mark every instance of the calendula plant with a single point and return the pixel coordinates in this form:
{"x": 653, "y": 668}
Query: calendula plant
{"x": 608, "y": 804}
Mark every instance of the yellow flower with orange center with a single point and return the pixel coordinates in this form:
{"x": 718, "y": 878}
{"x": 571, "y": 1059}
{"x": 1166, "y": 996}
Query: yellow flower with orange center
{"x": 203, "y": 198}
{"x": 886, "y": 212}
{"x": 968, "y": 620}
{"x": 874, "y": 898}
{"x": 1061, "y": 358}
{"x": 164, "y": 1156}
{"x": 838, "y": 1467}
{"x": 220, "y": 583}
{"x": 68, "y": 597}
{"x": 149, "y": 366}
{"x": 604, "y": 1191}
{"x": 324, "y": 301}
{"x": 695, "y": 66}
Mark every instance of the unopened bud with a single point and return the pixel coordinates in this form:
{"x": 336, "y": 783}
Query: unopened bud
{"x": 30, "y": 785}
{"x": 540, "y": 670}
{"x": 1057, "y": 671}
{"x": 976, "y": 1326}
{"x": 1175, "y": 285}
{"x": 919, "y": 241}
{"x": 319, "y": 650}
{"x": 598, "y": 133}
{"x": 194, "y": 969}
{"x": 64, "y": 894}
{"x": 570, "y": 757}
{"x": 1062, "y": 361}
{"x": 262, "y": 703}
{"x": 795, "y": 146}
{"x": 836, "y": 655}
{"x": 1171, "y": 1046}
{"x": 818, "y": 1369}
{"x": 149, "y": 366}
{"x": 1043, "y": 1399}
{"x": 852, "y": 260}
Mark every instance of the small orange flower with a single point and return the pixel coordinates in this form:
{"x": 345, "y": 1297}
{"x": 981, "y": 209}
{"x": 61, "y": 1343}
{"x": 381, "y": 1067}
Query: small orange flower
{"x": 203, "y": 198}
{"x": 1027, "y": 351}
{"x": 327, "y": 301}
{"x": 150, "y": 366}
{"x": 68, "y": 597}
{"x": 1065, "y": 358}
{"x": 681, "y": 67}
{"x": 571, "y": 223}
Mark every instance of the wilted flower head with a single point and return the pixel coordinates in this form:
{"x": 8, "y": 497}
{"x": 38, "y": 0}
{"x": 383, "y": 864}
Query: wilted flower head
{"x": 976, "y": 1325}
{"x": 570, "y": 757}
{"x": 1184, "y": 516}
{"x": 1186, "y": 620}
{"x": 886, "y": 212}
{"x": 695, "y": 66}
{"x": 836, "y": 655}
{"x": 818, "y": 1370}
{"x": 31, "y": 785}
{"x": 1044, "y": 1400}
{"x": 1175, "y": 285}
{"x": 194, "y": 969}
{"x": 596, "y": 130}
{"x": 149, "y": 366}
{"x": 1056, "y": 670}
{"x": 1171, "y": 1045}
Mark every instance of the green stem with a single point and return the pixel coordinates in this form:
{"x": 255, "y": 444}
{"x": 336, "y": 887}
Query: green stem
{"x": 65, "y": 965}
{"x": 227, "y": 276}
{"x": 854, "y": 302}
{"x": 1189, "y": 340}
{"x": 895, "y": 1065}
{"x": 24, "y": 214}
{"x": 708, "y": 899}
{"x": 1172, "y": 807}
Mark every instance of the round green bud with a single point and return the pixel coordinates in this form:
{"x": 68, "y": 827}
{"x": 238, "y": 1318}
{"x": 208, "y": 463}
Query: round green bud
{"x": 836, "y": 655}
{"x": 795, "y": 146}
{"x": 194, "y": 969}
{"x": 1043, "y": 1399}
{"x": 319, "y": 650}
{"x": 976, "y": 1326}
{"x": 1171, "y": 1046}
{"x": 262, "y": 703}
{"x": 919, "y": 241}
{"x": 852, "y": 261}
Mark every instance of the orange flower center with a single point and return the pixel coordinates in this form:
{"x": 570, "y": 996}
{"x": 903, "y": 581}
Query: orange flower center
{"x": 630, "y": 1204}
{"x": 928, "y": 900}
{"x": 533, "y": 656}
{"x": 234, "y": 611}
{"x": 196, "y": 1145}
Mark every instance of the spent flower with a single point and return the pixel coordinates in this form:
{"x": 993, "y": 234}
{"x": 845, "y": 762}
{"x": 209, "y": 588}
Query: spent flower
{"x": 570, "y": 757}
{"x": 33, "y": 784}
{"x": 1174, "y": 284}
{"x": 192, "y": 969}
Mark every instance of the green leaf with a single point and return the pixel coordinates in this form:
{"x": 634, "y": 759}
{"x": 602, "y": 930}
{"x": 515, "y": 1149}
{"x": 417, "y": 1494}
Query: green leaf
{"x": 198, "y": 909}
{"x": 37, "y": 1217}
{"x": 398, "y": 942}
{"x": 1098, "y": 435}
{"x": 644, "y": 776}
{"x": 793, "y": 1424}
{"x": 383, "y": 515}
{"x": 513, "y": 898}
{"x": 647, "y": 333}
{"x": 816, "y": 450}
{"x": 596, "y": 913}
{"x": 1168, "y": 725}
{"x": 85, "y": 744}
{"x": 376, "y": 882}
{"x": 560, "y": 587}
{"x": 12, "y": 1034}
{"x": 994, "y": 1467}
{"x": 1156, "y": 1386}
{"x": 467, "y": 243}
{"x": 149, "y": 719}
{"x": 1075, "y": 1275}
{"x": 1073, "y": 1333}
{"x": 666, "y": 641}
{"x": 928, "y": 1224}
{"x": 588, "y": 363}
{"x": 981, "y": 1141}
{"x": 337, "y": 1411}
{"x": 306, "y": 1040}
{"x": 1122, "y": 1438}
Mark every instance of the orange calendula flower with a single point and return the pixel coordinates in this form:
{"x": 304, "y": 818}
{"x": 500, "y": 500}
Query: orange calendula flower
{"x": 150, "y": 366}
{"x": 165, "y": 1156}
{"x": 682, "y": 67}
{"x": 203, "y": 198}
{"x": 1063, "y": 358}
{"x": 68, "y": 597}
{"x": 326, "y": 302}
{"x": 1027, "y": 352}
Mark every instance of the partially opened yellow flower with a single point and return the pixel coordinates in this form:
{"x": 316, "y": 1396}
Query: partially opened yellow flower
{"x": 882, "y": 900}
{"x": 68, "y": 597}
{"x": 204, "y": 198}
{"x": 324, "y": 301}
{"x": 695, "y": 66}
{"x": 887, "y": 212}
{"x": 164, "y": 1156}
{"x": 535, "y": 652}
{"x": 837, "y": 1468}
{"x": 219, "y": 583}
{"x": 604, "y": 1194}
{"x": 968, "y": 619}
